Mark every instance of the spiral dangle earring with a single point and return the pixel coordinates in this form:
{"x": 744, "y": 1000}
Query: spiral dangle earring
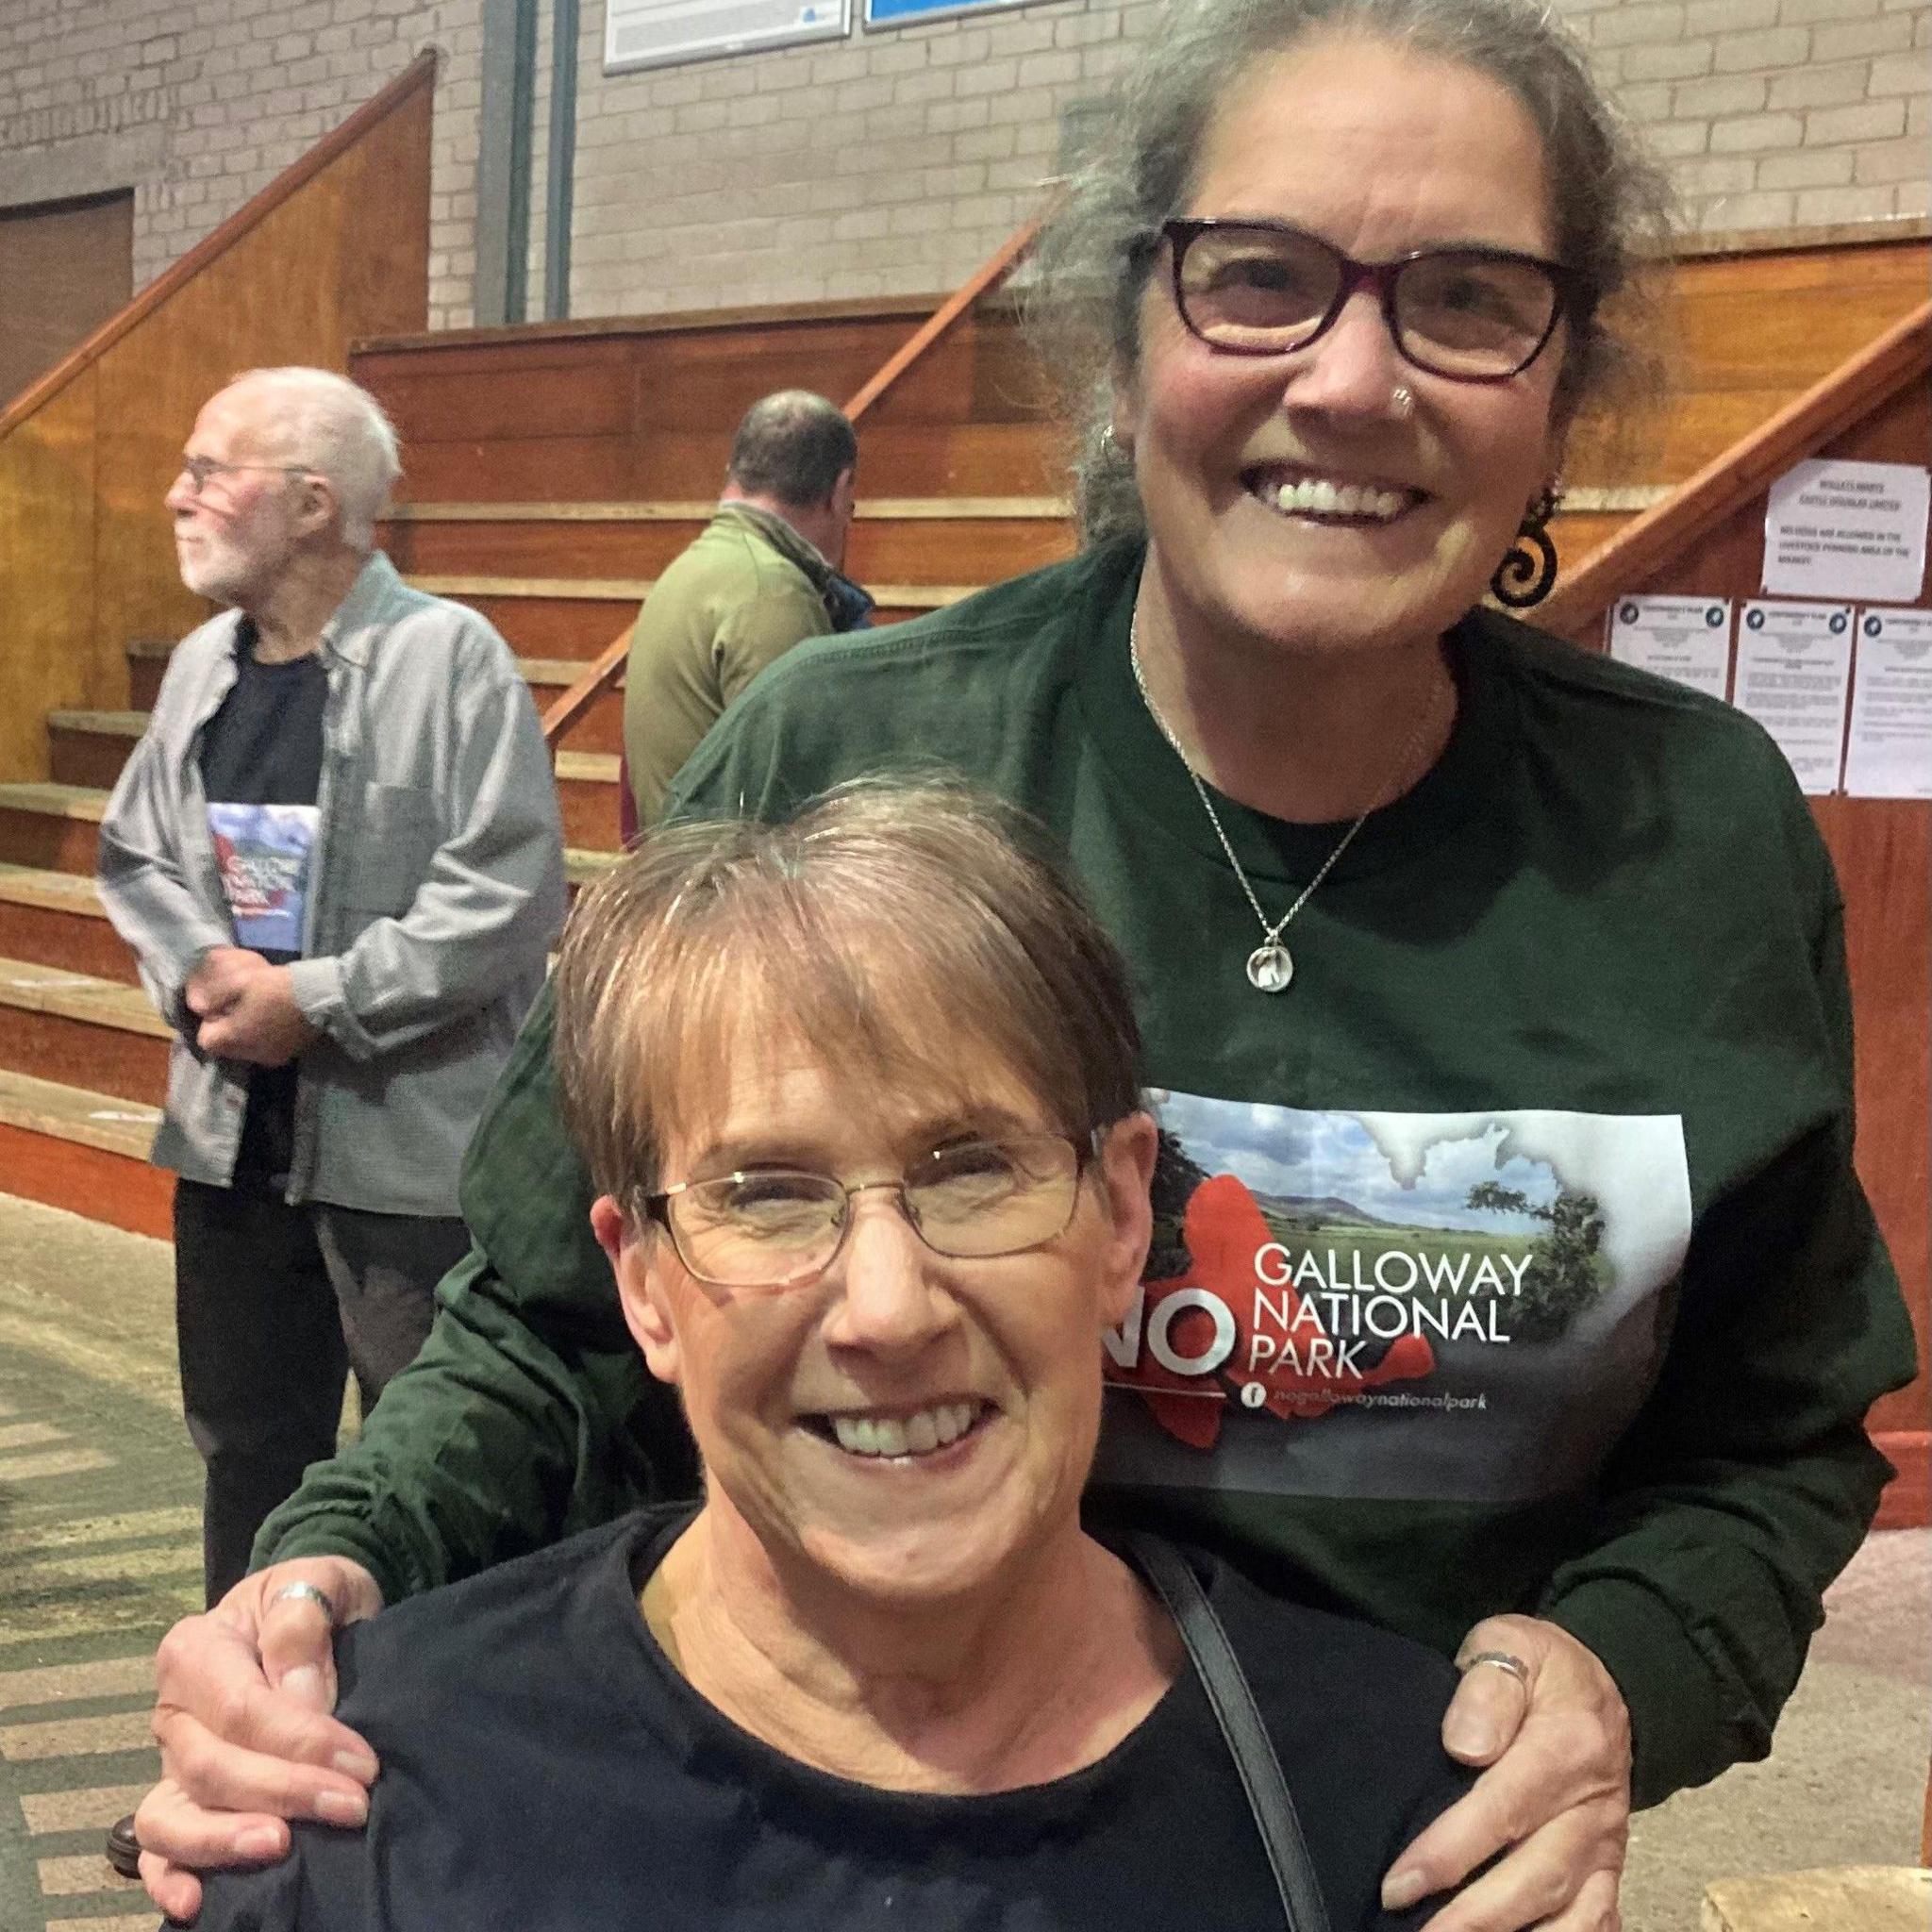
{"x": 1528, "y": 569}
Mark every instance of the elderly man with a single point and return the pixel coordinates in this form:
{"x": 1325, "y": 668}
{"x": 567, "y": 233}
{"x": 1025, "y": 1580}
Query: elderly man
{"x": 337, "y": 855}
{"x": 762, "y": 576}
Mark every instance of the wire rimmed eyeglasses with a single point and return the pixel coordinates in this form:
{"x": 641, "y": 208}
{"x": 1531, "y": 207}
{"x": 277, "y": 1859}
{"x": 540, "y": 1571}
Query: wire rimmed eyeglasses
{"x": 201, "y": 470}
{"x": 780, "y": 1226}
{"x": 1255, "y": 288}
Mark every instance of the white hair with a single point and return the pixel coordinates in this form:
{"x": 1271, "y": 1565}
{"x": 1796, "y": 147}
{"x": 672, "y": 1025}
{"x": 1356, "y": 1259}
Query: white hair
{"x": 335, "y": 428}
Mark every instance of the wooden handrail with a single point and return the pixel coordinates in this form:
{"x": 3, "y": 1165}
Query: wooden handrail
{"x": 1725, "y": 485}
{"x": 577, "y": 699}
{"x": 988, "y": 275}
{"x": 419, "y": 73}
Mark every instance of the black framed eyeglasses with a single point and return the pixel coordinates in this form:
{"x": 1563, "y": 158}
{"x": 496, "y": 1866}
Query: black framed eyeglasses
{"x": 1268, "y": 288}
{"x": 201, "y": 470}
{"x": 780, "y": 1226}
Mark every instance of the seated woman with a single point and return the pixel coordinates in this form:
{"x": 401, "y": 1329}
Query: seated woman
{"x": 859, "y": 1096}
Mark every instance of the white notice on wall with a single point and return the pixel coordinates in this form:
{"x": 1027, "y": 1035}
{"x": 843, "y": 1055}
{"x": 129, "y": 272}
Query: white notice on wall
{"x": 1794, "y": 666}
{"x": 1844, "y": 529}
{"x": 1889, "y": 752}
{"x": 1684, "y": 638}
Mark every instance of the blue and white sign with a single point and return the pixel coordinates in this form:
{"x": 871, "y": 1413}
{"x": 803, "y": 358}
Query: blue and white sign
{"x": 659, "y": 33}
{"x": 909, "y": 12}
{"x": 1793, "y": 674}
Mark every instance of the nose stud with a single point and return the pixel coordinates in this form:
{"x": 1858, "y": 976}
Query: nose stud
{"x": 1402, "y": 400}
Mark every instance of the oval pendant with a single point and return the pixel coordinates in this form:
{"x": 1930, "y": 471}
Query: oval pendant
{"x": 1270, "y": 968}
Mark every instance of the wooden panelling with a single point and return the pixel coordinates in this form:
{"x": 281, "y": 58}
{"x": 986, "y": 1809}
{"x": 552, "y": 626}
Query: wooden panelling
{"x": 53, "y": 841}
{"x": 52, "y": 935}
{"x": 80, "y": 756}
{"x": 554, "y": 626}
{"x": 70, "y": 265}
{"x": 337, "y": 247}
{"x": 103, "y": 1060}
{"x": 896, "y": 460}
{"x": 971, "y": 550}
{"x": 47, "y": 524}
{"x": 113, "y": 1188}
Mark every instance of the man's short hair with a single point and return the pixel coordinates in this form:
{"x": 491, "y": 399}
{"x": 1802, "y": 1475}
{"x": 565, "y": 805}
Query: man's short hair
{"x": 335, "y": 428}
{"x": 794, "y": 446}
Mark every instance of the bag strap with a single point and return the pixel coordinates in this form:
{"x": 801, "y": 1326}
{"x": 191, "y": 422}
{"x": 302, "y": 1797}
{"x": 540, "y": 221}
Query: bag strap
{"x": 1248, "y": 1742}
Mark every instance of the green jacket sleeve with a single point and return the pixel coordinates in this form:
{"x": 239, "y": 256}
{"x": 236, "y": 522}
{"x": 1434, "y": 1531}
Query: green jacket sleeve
{"x": 759, "y": 630}
{"x": 529, "y": 1413}
{"x": 1747, "y": 1482}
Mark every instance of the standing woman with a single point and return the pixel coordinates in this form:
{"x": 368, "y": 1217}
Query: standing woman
{"x": 1513, "y": 1285}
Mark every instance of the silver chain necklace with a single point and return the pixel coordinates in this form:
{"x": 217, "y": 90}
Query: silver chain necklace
{"x": 1271, "y": 966}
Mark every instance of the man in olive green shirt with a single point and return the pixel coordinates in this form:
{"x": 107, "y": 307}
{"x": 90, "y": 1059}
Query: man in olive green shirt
{"x": 762, "y": 576}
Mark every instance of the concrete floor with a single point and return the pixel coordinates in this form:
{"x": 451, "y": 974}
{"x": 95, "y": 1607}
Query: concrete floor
{"x": 85, "y": 1315}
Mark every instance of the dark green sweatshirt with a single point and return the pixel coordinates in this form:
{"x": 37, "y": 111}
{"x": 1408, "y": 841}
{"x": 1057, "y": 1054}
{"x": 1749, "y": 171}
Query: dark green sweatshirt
{"x": 1512, "y": 1259}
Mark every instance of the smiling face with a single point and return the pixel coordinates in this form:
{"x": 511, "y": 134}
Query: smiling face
{"x": 1246, "y": 463}
{"x": 907, "y": 1426}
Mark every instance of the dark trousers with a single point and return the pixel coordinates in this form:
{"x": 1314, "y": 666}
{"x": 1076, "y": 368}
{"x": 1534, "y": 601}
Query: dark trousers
{"x": 273, "y": 1307}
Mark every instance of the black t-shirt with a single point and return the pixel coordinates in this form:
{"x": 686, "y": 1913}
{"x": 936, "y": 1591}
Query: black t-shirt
{"x": 263, "y": 747}
{"x": 545, "y": 1768}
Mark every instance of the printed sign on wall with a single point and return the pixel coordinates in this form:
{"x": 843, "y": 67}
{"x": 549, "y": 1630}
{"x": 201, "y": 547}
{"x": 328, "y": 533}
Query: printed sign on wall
{"x": 1687, "y": 638}
{"x": 904, "y": 12}
{"x": 1890, "y": 753}
{"x": 1834, "y": 528}
{"x": 658, "y": 33}
{"x": 1793, "y": 673}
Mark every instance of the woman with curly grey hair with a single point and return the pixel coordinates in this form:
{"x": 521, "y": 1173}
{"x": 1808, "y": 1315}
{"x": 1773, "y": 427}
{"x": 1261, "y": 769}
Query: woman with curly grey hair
{"x": 1512, "y": 1285}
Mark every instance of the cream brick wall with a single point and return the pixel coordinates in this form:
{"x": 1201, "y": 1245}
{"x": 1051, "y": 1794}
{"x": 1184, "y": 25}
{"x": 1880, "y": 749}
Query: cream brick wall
{"x": 891, "y": 163}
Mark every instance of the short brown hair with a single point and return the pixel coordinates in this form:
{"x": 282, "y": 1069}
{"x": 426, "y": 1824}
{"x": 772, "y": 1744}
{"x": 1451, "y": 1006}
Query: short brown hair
{"x": 894, "y": 926}
{"x": 794, "y": 446}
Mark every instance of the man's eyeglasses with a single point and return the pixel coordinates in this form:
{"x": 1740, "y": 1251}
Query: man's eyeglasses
{"x": 1266, "y": 288}
{"x": 201, "y": 470}
{"x": 778, "y": 1228}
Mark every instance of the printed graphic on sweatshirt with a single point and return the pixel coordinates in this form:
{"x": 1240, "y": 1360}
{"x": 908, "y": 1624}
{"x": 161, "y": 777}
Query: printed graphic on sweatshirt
{"x": 263, "y": 852}
{"x": 1451, "y": 1306}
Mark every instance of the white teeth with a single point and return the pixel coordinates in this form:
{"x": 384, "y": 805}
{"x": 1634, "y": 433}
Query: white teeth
{"x": 1316, "y": 496}
{"x": 914, "y": 1434}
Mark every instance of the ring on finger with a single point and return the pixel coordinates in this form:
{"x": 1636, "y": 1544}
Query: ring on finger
{"x": 314, "y": 1594}
{"x": 1502, "y": 1659}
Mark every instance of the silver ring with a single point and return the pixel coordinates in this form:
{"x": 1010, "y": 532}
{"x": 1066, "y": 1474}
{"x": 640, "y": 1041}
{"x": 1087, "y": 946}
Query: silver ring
{"x": 308, "y": 1594}
{"x": 1402, "y": 400}
{"x": 1502, "y": 1662}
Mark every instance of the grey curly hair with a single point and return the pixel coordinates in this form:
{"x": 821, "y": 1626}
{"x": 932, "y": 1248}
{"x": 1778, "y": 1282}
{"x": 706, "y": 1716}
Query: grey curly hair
{"x": 1610, "y": 202}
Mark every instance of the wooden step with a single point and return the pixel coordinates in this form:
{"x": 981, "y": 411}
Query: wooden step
{"x": 89, "y": 748}
{"x": 51, "y": 828}
{"x": 587, "y": 790}
{"x": 576, "y": 617}
{"x": 599, "y": 728}
{"x": 78, "y": 1030}
{"x": 57, "y": 919}
{"x": 894, "y": 541}
{"x": 83, "y": 1151}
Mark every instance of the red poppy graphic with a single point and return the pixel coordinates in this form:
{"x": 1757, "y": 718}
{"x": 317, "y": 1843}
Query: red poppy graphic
{"x": 1224, "y": 1231}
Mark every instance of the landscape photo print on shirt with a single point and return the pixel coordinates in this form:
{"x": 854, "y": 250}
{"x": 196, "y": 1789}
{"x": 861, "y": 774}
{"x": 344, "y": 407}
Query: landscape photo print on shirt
{"x": 1465, "y": 1307}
